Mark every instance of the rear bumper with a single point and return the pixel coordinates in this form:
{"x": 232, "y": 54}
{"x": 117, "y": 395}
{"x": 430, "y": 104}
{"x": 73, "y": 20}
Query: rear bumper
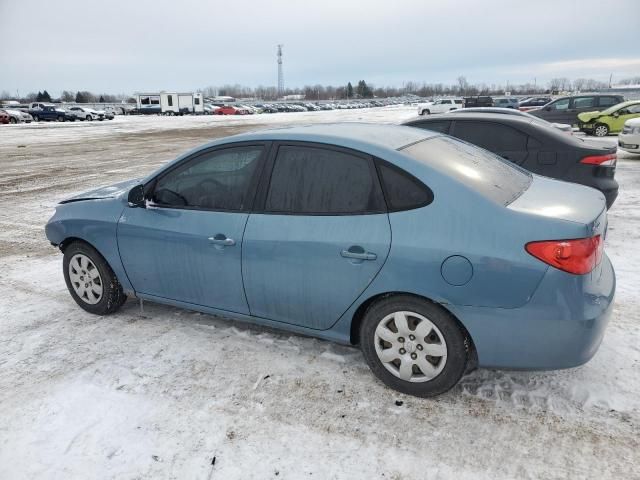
{"x": 562, "y": 325}
{"x": 629, "y": 142}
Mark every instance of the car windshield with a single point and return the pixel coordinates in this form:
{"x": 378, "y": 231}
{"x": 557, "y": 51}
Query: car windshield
{"x": 615, "y": 108}
{"x": 490, "y": 175}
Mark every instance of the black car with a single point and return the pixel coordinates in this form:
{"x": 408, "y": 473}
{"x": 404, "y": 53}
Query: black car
{"x": 566, "y": 109}
{"x": 534, "y": 146}
{"x": 477, "y": 101}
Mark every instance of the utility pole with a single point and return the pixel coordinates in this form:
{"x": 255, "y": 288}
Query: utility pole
{"x": 280, "y": 74}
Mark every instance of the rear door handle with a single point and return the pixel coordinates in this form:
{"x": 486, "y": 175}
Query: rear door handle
{"x": 358, "y": 253}
{"x": 222, "y": 239}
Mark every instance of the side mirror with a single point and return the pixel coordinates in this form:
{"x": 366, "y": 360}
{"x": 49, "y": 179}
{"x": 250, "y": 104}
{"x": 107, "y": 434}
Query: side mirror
{"x": 548, "y": 109}
{"x": 136, "y": 197}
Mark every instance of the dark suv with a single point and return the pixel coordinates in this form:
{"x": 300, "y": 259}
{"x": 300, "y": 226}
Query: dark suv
{"x": 478, "y": 101}
{"x": 566, "y": 109}
{"x": 533, "y": 145}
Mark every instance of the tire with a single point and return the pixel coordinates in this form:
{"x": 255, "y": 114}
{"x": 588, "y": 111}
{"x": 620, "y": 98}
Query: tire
{"x": 89, "y": 118}
{"x": 444, "y": 339}
{"x": 36, "y": 118}
{"x": 81, "y": 259}
{"x": 426, "y": 112}
{"x": 601, "y": 130}
{"x": 13, "y": 120}
{"x": 60, "y": 118}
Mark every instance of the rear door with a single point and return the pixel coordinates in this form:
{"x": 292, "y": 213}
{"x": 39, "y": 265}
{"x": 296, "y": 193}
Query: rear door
{"x": 503, "y": 140}
{"x": 321, "y": 235}
{"x": 607, "y": 101}
{"x": 580, "y": 105}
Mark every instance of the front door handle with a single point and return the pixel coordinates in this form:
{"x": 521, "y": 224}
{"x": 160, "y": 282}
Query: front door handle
{"x": 222, "y": 239}
{"x": 358, "y": 253}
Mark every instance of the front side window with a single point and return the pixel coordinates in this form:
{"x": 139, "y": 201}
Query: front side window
{"x": 217, "y": 180}
{"x": 560, "y": 104}
{"x": 170, "y": 100}
{"x": 311, "y": 180}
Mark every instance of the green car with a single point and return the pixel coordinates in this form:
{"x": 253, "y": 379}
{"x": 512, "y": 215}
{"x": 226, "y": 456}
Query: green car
{"x": 610, "y": 120}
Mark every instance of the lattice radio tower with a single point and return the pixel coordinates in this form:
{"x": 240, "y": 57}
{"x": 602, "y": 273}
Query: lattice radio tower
{"x": 280, "y": 74}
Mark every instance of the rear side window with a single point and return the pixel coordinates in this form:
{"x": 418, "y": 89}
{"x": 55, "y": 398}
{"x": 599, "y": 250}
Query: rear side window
{"x": 311, "y": 180}
{"x": 584, "y": 102}
{"x": 440, "y": 126}
{"x": 492, "y": 136}
{"x": 608, "y": 101}
{"x": 491, "y": 176}
{"x": 402, "y": 190}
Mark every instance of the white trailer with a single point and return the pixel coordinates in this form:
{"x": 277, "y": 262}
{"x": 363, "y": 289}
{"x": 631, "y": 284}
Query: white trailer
{"x": 170, "y": 103}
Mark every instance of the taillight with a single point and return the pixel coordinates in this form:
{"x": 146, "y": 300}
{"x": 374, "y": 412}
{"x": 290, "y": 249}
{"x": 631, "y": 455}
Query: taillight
{"x": 603, "y": 160}
{"x": 577, "y": 256}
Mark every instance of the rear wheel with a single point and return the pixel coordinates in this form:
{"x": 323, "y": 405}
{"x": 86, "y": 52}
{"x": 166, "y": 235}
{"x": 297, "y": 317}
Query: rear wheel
{"x": 90, "y": 280}
{"x": 60, "y": 118}
{"x": 13, "y": 120}
{"x": 426, "y": 112}
{"x": 413, "y": 345}
{"x": 601, "y": 130}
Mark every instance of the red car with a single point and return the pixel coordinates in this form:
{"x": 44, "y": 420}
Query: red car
{"x": 229, "y": 110}
{"x": 4, "y": 117}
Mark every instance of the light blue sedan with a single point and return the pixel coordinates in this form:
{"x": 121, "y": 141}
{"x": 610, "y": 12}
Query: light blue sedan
{"x": 432, "y": 255}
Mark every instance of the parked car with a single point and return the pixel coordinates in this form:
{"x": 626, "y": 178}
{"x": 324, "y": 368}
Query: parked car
{"x": 51, "y": 113}
{"x": 629, "y": 138}
{"x": 229, "y": 110}
{"x": 506, "y": 102}
{"x": 439, "y": 106}
{"x": 563, "y": 127}
{"x": 533, "y": 102}
{"x": 85, "y": 113}
{"x": 539, "y": 149}
{"x": 4, "y": 117}
{"x": 610, "y": 120}
{"x": 477, "y": 101}
{"x": 291, "y": 228}
{"x": 18, "y": 116}
{"x": 566, "y": 109}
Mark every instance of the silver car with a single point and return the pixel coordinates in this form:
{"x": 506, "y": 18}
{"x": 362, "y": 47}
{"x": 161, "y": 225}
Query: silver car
{"x": 18, "y": 116}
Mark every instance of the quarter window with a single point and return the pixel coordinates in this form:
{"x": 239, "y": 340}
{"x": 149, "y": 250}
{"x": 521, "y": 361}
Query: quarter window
{"x": 310, "y": 180}
{"x": 436, "y": 126}
{"x": 402, "y": 190}
{"x": 217, "y": 180}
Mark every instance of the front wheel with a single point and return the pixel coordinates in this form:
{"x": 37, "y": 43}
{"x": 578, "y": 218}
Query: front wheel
{"x": 60, "y": 118}
{"x": 601, "y": 130}
{"x": 13, "y": 120}
{"x": 414, "y": 346}
{"x": 36, "y": 118}
{"x": 426, "y": 112}
{"x": 89, "y": 118}
{"x": 90, "y": 280}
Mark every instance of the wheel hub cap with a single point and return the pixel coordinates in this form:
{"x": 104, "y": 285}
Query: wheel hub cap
{"x": 410, "y": 346}
{"x": 85, "y": 279}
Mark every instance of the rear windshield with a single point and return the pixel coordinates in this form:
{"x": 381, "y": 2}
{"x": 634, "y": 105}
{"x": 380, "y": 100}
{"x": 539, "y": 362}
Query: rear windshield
{"x": 488, "y": 174}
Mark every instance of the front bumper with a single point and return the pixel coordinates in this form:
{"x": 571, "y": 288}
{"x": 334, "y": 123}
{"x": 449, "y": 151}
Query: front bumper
{"x": 562, "y": 325}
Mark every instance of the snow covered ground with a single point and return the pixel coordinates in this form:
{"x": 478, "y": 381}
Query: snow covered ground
{"x": 162, "y": 393}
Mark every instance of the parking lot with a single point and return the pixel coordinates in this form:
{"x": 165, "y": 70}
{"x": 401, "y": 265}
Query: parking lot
{"x": 163, "y": 392}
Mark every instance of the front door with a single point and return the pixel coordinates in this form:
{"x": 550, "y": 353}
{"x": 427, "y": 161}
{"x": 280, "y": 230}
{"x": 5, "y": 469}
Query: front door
{"x": 187, "y": 244}
{"x": 320, "y": 239}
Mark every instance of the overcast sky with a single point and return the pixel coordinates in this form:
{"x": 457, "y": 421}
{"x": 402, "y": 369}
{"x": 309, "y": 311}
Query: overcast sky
{"x": 123, "y": 46}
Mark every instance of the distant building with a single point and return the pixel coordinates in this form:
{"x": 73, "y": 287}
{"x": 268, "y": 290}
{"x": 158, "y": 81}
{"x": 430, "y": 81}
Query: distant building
{"x": 293, "y": 97}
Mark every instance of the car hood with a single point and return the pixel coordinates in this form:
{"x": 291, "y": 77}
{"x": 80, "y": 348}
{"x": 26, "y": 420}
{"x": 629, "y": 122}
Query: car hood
{"x": 587, "y": 116}
{"x": 110, "y": 191}
{"x": 634, "y": 122}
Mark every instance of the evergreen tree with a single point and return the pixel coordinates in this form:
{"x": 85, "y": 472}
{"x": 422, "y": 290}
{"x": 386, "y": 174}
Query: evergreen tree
{"x": 349, "y": 90}
{"x": 46, "y": 97}
{"x": 39, "y": 96}
{"x": 101, "y": 99}
{"x": 80, "y": 98}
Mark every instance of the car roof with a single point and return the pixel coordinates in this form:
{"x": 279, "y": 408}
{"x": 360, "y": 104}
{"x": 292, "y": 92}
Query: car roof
{"x": 352, "y": 135}
{"x": 460, "y": 115}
